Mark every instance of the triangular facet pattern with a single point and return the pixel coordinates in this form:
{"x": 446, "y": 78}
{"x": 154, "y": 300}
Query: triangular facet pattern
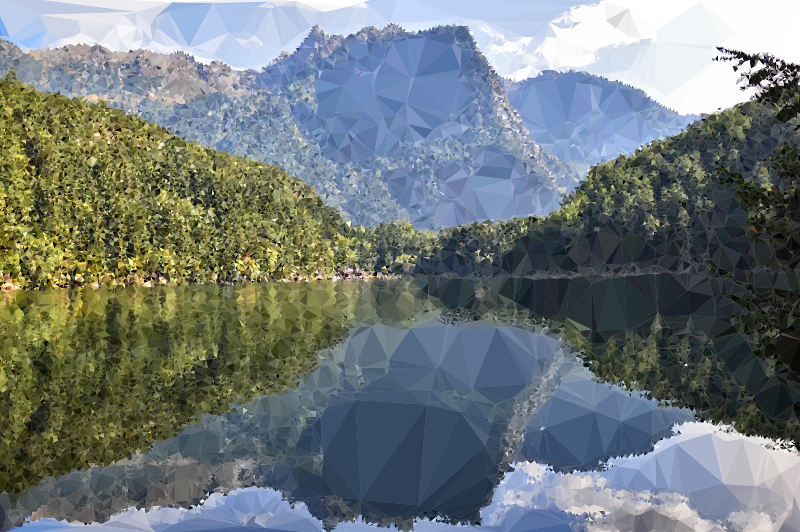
{"x": 396, "y": 425}
{"x": 387, "y": 125}
{"x": 585, "y": 423}
{"x": 584, "y": 120}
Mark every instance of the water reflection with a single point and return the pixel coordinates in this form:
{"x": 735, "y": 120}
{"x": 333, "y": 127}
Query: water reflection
{"x": 422, "y": 420}
{"x": 409, "y": 414}
{"x": 397, "y": 424}
{"x": 89, "y": 376}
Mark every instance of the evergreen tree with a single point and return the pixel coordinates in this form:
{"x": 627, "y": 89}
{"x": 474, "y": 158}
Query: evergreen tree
{"x": 777, "y": 81}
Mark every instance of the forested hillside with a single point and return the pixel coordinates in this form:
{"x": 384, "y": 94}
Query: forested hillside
{"x": 89, "y": 194}
{"x": 659, "y": 202}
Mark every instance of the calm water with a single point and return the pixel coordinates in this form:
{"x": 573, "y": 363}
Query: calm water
{"x": 368, "y": 400}
{"x": 89, "y": 376}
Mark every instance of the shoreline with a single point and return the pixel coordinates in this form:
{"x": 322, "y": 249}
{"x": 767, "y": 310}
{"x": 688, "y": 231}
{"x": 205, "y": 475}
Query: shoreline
{"x": 341, "y": 275}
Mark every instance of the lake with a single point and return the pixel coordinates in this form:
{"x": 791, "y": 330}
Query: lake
{"x": 384, "y": 402}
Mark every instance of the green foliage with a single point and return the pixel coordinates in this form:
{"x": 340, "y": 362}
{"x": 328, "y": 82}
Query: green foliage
{"x": 771, "y": 316}
{"x": 396, "y": 247}
{"x": 88, "y": 194}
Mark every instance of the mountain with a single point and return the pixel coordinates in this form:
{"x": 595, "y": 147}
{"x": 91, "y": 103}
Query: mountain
{"x": 423, "y": 115}
{"x": 583, "y": 119}
{"x": 386, "y": 125}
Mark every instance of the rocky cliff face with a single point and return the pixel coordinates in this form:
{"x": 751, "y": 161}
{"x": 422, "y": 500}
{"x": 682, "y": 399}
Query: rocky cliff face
{"x": 423, "y": 115}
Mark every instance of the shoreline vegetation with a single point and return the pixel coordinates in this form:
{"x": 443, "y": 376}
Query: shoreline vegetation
{"x": 149, "y": 281}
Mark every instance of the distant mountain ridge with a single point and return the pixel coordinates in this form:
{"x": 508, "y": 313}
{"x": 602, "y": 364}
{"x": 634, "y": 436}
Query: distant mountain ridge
{"x": 424, "y": 114}
{"x": 583, "y": 119}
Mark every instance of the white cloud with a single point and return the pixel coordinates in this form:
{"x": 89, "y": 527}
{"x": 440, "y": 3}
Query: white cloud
{"x": 704, "y": 475}
{"x": 664, "y": 48}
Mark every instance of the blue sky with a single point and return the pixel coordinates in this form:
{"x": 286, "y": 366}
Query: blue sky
{"x": 662, "y": 47}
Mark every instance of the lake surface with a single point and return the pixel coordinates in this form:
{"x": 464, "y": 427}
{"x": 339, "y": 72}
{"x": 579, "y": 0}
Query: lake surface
{"x": 89, "y": 376}
{"x": 376, "y": 401}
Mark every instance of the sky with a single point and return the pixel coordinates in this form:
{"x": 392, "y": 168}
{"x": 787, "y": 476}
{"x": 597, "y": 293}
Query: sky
{"x": 662, "y": 47}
